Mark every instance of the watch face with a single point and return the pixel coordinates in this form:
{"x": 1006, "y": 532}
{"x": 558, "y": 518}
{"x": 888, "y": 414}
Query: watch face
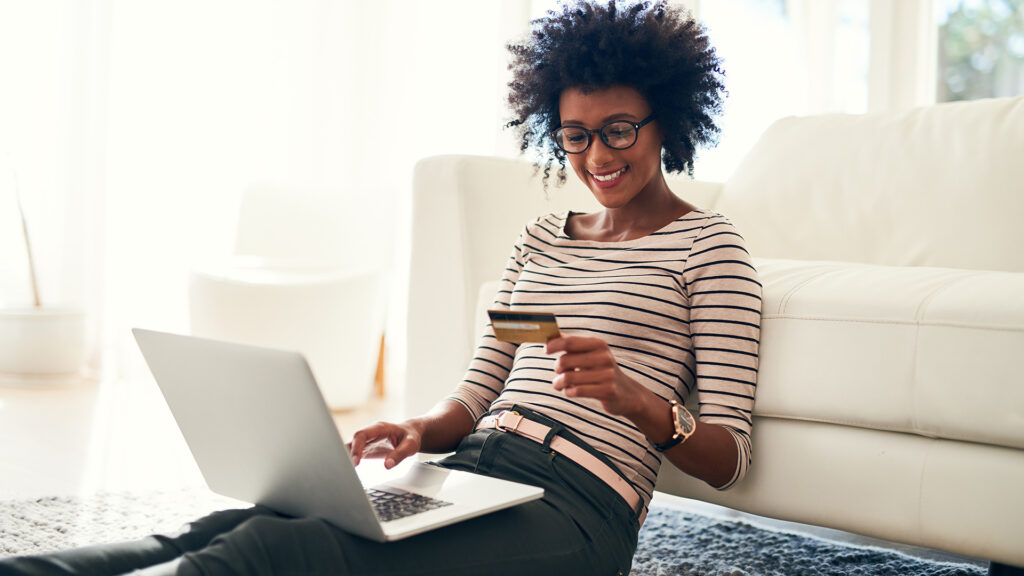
{"x": 684, "y": 421}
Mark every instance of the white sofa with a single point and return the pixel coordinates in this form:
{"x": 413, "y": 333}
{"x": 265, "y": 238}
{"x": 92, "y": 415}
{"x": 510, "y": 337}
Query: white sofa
{"x": 891, "y": 250}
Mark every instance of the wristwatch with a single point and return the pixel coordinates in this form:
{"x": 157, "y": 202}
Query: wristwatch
{"x": 684, "y": 424}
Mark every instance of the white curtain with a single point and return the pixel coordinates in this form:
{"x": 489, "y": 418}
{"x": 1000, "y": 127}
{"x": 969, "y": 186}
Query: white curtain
{"x": 135, "y": 125}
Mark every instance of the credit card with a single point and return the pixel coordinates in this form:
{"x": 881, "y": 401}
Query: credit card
{"x": 518, "y": 326}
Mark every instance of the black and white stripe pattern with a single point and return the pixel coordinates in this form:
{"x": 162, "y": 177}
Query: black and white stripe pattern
{"x": 680, "y": 309}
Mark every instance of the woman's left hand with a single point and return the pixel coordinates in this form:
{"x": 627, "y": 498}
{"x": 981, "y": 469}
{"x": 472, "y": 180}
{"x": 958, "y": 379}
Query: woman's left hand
{"x": 588, "y": 370}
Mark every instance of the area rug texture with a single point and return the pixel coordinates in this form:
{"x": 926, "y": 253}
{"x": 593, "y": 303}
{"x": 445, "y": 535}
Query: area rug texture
{"x": 673, "y": 542}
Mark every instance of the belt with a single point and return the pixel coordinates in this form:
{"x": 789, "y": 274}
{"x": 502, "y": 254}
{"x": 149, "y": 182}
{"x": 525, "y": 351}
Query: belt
{"x": 516, "y": 423}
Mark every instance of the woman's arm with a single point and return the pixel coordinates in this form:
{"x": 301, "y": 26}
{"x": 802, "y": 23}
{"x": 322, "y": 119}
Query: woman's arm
{"x": 439, "y": 430}
{"x": 724, "y": 301}
{"x": 444, "y": 426}
{"x": 588, "y": 369}
{"x": 709, "y": 454}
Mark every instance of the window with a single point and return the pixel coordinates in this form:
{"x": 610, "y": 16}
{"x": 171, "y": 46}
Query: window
{"x": 781, "y": 58}
{"x": 981, "y": 49}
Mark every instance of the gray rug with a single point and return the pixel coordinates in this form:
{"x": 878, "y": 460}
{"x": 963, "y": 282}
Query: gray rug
{"x": 673, "y": 541}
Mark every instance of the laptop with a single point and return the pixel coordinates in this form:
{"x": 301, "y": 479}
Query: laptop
{"x": 260, "y": 431}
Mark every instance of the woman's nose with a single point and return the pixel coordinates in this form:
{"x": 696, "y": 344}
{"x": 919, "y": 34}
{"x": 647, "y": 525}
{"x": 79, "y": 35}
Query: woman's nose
{"x": 599, "y": 154}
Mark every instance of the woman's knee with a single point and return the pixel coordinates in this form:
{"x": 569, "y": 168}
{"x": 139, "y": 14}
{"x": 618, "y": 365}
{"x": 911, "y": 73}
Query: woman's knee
{"x": 273, "y": 531}
{"x": 271, "y": 544}
{"x": 199, "y": 533}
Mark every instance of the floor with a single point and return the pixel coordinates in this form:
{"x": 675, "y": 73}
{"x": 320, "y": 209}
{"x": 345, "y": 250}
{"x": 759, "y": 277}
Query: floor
{"x": 75, "y": 438}
{"x": 85, "y": 436}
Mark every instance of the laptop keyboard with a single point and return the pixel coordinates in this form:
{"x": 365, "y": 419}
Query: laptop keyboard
{"x": 394, "y": 505}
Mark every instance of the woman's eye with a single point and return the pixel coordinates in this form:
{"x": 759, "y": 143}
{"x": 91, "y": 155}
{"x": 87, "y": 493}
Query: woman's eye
{"x": 619, "y": 133}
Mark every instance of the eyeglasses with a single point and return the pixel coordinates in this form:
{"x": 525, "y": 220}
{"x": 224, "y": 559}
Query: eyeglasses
{"x": 619, "y": 135}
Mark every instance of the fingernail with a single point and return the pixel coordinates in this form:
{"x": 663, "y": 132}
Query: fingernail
{"x": 389, "y": 462}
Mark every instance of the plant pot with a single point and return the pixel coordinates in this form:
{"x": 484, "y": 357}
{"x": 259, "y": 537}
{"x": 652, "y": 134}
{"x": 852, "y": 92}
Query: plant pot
{"x": 42, "y": 341}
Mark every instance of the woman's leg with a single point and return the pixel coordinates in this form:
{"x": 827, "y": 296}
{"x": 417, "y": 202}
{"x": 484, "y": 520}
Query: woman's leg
{"x": 532, "y": 535}
{"x": 581, "y": 526}
{"x": 124, "y": 557}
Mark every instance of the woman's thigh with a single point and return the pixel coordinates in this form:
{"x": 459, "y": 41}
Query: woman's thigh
{"x": 532, "y": 537}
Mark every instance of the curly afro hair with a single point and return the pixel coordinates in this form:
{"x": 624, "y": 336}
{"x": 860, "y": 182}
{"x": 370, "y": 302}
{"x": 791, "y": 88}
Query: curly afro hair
{"x": 657, "y": 49}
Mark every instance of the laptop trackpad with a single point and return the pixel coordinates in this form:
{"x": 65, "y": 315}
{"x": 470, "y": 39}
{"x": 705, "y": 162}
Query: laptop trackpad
{"x": 409, "y": 475}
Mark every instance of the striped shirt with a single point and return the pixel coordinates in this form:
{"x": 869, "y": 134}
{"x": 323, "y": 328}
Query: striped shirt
{"x": 680, "y": 310}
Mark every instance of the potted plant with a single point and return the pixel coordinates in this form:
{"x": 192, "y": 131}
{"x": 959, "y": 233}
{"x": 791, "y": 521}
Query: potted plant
{"x": 37, "y": 342}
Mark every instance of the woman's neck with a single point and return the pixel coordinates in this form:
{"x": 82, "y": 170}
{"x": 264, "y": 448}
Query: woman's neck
{"x": 648, "y": 212}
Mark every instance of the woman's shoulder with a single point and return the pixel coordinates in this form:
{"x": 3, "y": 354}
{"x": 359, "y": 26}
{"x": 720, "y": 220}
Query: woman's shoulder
{"x": 691, "y": 224}
{"x": 551, "y": 225}
{"x": 705, "y": 214}
{"x": 551, "y": 219}
{"x": 711, "y": 221}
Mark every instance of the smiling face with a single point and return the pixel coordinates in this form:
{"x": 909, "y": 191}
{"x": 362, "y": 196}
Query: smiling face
{"x": 616, "y": 177}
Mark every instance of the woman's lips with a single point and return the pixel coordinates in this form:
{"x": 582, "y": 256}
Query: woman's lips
{"x": 609, "y": 179}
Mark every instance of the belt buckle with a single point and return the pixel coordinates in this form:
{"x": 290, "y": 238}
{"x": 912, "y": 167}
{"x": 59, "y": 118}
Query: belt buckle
{"x": 508, "y": 421}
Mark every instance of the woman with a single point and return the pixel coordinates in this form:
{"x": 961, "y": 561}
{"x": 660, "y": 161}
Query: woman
{"x": 656, "y": 301}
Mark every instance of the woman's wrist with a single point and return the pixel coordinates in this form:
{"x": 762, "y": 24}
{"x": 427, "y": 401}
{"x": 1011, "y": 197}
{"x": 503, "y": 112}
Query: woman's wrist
{"x": 416, "y": 425}
{"x": 441, "y": 429}
{"x": 654, "y": 418}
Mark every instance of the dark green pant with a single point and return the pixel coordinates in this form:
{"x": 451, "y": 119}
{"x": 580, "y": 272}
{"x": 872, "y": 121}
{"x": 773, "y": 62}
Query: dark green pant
{"x": 581, "y": 526}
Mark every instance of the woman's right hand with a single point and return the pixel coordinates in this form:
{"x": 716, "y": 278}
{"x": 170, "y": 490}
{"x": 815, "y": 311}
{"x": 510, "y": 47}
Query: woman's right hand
{"x": 393, "y": 442}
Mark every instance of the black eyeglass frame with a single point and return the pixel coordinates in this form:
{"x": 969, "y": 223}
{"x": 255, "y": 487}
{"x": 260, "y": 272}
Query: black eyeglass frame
{"x": 600, "y": 134}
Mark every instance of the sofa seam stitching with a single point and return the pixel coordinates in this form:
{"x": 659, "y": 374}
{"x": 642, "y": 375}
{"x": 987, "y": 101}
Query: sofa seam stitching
{"x": 922, "y": 307}
{"x": 849, "y": 423}
{"x": 892, "y": 322}
{"x": 792, "y": 291}
{"x": 915, "y": 420}
{"x": 920, "y": 485}
{"x": 882, "y": 428}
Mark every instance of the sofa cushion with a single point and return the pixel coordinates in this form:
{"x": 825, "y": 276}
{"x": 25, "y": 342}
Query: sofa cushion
{"x": 930, "y": 351}
{"x": 934, "y": 186}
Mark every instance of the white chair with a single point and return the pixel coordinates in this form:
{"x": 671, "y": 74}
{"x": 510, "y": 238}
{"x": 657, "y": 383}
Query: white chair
{"x": 302, "y": 278}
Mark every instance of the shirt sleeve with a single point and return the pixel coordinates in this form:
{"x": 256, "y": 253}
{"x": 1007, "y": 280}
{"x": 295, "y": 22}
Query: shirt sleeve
{"x": 725, "y": 324}
{"x": 492, "y": 362}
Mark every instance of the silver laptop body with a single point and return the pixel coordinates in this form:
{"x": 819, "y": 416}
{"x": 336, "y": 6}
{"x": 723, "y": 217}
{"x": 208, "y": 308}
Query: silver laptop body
{"x": 258, "y": 428}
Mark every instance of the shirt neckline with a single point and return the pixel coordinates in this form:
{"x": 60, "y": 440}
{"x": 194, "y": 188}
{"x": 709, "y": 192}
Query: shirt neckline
{"x": 565, "y": 236}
